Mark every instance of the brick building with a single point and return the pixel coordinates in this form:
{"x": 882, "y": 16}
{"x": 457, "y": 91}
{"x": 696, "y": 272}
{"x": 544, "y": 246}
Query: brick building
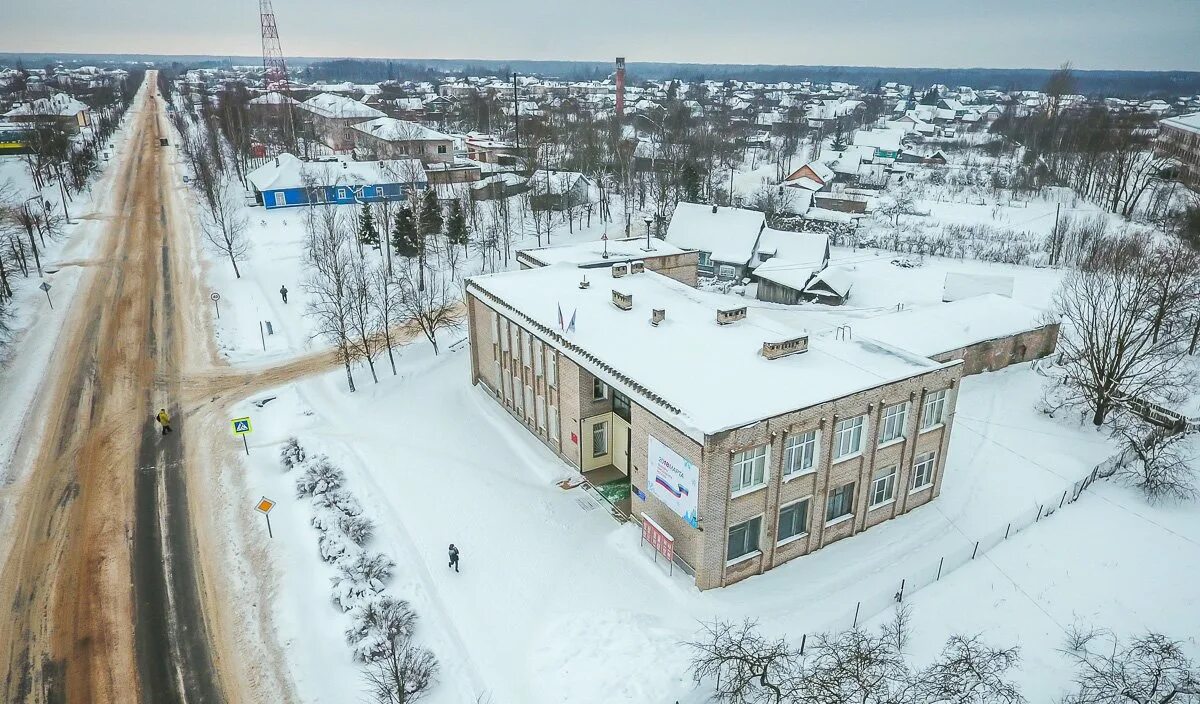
{"x": 1179, "y": 138}
{"x": 749, "y": 442}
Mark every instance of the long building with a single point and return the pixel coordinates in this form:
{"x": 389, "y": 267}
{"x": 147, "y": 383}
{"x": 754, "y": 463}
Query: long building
{"x": 1179, "y": 138}
{"x": 741, "y": 442}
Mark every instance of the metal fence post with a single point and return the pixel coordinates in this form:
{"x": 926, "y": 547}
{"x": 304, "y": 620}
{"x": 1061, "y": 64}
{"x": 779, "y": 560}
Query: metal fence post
{"x": 1063, "y": 499}
{"x": 940, "y": 561}
{"x": 900, "y": 594}
{"x": 973, "y": 552}
{"x": 1006, "y": 529}
{"x": 803, "y": 640}
{"x": 1039, "y": 515}
{"x": 856, "y": 608}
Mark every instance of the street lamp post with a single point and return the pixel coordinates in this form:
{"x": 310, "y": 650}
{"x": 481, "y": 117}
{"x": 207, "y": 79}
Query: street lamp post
{"x": 648, "y": 220}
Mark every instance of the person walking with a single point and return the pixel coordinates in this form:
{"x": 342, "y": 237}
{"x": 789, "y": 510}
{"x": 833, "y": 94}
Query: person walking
{"x": 164, "y": 420}
{"x": 454, "y": 557}
{"x": 283, "y": 293}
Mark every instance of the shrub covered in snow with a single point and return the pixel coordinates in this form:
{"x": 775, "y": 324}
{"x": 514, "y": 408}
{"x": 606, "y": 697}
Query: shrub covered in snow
{"x": 319, "y": 477}
{"x": 359, "y": 577}
{"x": 377, "y": 624}
{"x": 335, "y": 546}
{"x": 291, "y": 455}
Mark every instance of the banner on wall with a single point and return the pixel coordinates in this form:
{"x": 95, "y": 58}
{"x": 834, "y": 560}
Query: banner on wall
{"x": 673, "y": 480}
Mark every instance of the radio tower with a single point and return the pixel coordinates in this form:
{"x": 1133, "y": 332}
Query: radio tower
{"x": 275, "y": 73}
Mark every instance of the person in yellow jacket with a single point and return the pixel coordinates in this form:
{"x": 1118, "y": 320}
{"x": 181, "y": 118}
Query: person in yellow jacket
{"x": 164, "y": 420}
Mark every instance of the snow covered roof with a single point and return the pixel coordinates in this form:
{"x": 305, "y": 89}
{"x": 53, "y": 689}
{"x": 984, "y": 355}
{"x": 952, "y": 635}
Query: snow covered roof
{"x": 943, "y": 327}
{"x": 590, "y": 253}
{"x": 393, "y": 130}
{"x": 339, "y": 106}
{"x": 888, "y": 140}
{"x": 835, "y": 278}
{"x": 287, "y": 171}
{"x": 727, "y": 234}
{"x": 807, "y": 248}
{"x": 554, "y": 182}
{"x": 274, "y": 98}
{"x": 695, "y": 374}
{"x": 1189, "y": 122}
{"x": 59, "y": 104}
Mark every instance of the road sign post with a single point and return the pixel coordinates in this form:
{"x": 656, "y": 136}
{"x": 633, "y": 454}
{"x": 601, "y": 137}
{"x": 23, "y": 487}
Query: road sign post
{"x": 242, "y": 428}
{"x": 216, "y": 299}
{"x": 264, "y": 507}
{"x": 46, "y": 287}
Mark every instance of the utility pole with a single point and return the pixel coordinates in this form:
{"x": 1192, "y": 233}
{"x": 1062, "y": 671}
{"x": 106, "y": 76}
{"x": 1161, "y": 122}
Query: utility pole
{"x": 1054, "y": 251}
{"x": 32, "y": 243}
{"x": 516, "y": 114}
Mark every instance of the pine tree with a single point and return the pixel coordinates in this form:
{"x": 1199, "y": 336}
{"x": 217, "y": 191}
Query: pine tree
{"x": 406, "y": 241}
{"x": 839, "y": 141}
{"x": 429, "y": 222}
{"x": 368, "y": 234}
{"x": 456, "y": 224}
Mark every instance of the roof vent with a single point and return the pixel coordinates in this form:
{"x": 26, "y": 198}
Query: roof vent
{"x": 714, "y": 208}
{"x": 775, "y": 350}
{"x": 637, "y": 267}
{"x": 657, "y": 316}
{"x": 624, "y": 301}
{"x": 730, "y": 315}
{"x": 619, "y": 270}
{"x": 584, "y": 283}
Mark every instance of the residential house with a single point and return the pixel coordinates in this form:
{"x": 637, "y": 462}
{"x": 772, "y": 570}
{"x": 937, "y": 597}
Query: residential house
{"x": 333, "y": 116}
{"x": 726, "y": 238}
{"x": 389, "y": 138}
{"x": 558, "y": 190}
{"x": 287, "y": 181}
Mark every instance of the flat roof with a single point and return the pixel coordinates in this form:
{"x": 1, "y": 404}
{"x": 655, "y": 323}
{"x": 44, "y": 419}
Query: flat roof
{"x": 699, "y": 376}
{"x": 943, "y": 327}
{"x": 591, "y": 253}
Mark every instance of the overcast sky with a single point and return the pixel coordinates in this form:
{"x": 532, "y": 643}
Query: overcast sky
{"x": 1093, "y": 34}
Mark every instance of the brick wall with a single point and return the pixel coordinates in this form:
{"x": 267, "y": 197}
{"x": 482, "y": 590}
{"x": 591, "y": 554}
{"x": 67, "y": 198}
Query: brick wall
{"x": 992, "y": 355}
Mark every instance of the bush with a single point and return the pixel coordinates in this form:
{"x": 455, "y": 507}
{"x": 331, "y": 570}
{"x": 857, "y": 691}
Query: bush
{"x": 357, "y": 528}
{"x": 291, "y": 455}
{"x": 378, "y": 623}
{"x": 320, "y": 477}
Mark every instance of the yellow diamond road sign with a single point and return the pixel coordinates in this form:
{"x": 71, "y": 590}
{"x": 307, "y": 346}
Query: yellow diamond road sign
{"x": 265, "y": 505}
{"x": 241, "y": 426}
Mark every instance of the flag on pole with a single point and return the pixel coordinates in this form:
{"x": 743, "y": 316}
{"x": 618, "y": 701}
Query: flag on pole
{"x": 560, "y": 317}
{"x": 571, "y": 326}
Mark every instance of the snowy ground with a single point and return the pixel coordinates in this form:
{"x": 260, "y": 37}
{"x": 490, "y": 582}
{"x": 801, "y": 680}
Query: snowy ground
{"x": 574, "y": 600}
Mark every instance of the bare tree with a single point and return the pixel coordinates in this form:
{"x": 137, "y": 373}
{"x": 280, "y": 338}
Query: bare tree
{"x": 434, "y": 307}
{"x": 330, "y": 286}
{"x": 365, "y": 321}
{"x": 1108, "y": 350}
{"x": 1160, "y": 466}
{"x": 403, "y": 675}
{"x": 224, "y": 223}
{"x": 1150, "y": 669}
{"x": 386, "y": 293}
{"x": 851, "y": 666}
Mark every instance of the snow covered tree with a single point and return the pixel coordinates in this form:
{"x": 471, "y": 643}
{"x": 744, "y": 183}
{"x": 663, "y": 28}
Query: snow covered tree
{"x": 1160, "y": 466}
{"x": 376, "y": 624}
{"x": 330, "y": 285}
{"x": 430, "y": 222}
{"x": 291, "y": 455}
{"x": 1150, "y": 669}
{"x": 320, "y": 476}
{"x": 403, "y": 675}
{"x": 839, "y": 138}
{"x": 456, "y": 225}
{"x": 406, "y": 241}
{"x": 368, "y": 234}
{"x": 433, "y": 307}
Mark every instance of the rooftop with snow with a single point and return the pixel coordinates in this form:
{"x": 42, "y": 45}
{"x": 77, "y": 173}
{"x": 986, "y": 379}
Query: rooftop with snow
{"x": 700, "y": 376}
{"x": 592, "y": 252}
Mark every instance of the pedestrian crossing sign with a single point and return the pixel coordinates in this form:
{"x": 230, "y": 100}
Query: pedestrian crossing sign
{"x": 241, "y": 426}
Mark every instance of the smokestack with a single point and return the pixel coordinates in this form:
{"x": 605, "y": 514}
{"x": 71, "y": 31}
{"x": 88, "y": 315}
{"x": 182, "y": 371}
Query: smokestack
{"x": 620, "y": 86}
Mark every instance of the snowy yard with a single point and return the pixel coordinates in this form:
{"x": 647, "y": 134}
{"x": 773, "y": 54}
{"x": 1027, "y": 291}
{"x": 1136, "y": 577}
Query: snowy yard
{"x": 558, "y": 603}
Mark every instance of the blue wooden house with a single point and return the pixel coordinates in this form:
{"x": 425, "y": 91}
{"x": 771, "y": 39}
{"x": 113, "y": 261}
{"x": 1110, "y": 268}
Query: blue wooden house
{"x": 287, "y": 181}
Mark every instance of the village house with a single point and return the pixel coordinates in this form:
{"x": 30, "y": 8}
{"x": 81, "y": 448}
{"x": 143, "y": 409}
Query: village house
{"x": 558, "y": 190}
{"x": 58, "y": 110}
{"x": 389, "y": 138}
{"x": 333, "y": 116}
{"x": 726, "y": 238}
{"x": 287, "y": 181}
{"x": 1179, "y": 139}
{"x": 740, "y": 442}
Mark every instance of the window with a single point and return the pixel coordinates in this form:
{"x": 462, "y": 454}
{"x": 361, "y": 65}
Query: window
{"x": 553, "y": 424}
{"x": 441, "y": 149}
{"x": 537, "y": 358}
{"x": 793, "y": 520}
{"x": 883, "y": 486}
{"x": 504, "y": 337}
{"x": 599, "y": 390}
{"x": 800, "y": 453}
{"x": 705, "y": 259}
{"x": 621, "y": 406}
{"x": 847, "y": 437}
{"x": 749, "y": 469}
{"x": 280, "y": 199}
{"x": 891, "y": 426}
{"x": 923, "y": 470}
{"x": 743, "y": 538}
{"x": 840, "y": 503}
{"x": 379, "y": 191}
{"x": 526, "y": 357}
{"x": 341, "y": 194}
{"x": 725, "y": 272}
{"x": 600, "y": 439}
{"x": 935, "y": 409}
{"x": 540, "y": 405}
{"x": 516, "y": 385}
{"x": 551, "y": 367}
{"x": 508, "y": 389}
{"x": 528, "y": 401}
{"x": 516, "y": 337}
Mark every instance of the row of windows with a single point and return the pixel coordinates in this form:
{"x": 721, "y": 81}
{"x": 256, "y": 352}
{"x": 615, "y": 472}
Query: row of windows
{"x": 749, "y": 469}
{"x": 744, "y": 537}
{"x": 533, "y": 352}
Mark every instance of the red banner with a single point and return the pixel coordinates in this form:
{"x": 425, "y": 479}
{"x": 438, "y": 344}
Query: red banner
{"x": 658, "y": 538}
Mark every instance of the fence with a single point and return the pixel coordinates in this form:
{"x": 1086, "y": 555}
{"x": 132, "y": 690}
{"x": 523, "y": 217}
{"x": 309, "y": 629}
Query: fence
{"x": 945, "y": 564}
